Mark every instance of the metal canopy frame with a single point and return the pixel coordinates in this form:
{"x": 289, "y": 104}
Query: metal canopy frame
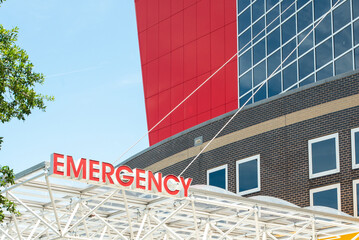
{"x": 54, "y": 208}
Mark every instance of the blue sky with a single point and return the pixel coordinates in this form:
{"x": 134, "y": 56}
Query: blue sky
{"x": 88, "y": 51}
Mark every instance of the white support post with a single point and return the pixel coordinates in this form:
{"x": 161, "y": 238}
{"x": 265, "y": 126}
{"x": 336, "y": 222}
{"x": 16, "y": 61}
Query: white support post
{"x": 6, "y": 234}
{"x": 84, "y": 222}
{"x": 167, "y": 228}
{"x": 141, "y": 226}
{"x": 128, "y": 213}
{"x": 17, "y": 226}
{"x": 33, "y": 230}
{"x": 271, "y": 236}
{"x": 256, "y": 222}
{"x": 314, "y": 235}
{"x": 206, "y": 230}
{"x": 103, "y": 233}
{"x": 33, "y": 213}
{"x": 149, "y": 225}
{"x": 71, "y": 217}
{"x": 53, "y": 203}
{"x": 219, "y": 230}
{"x": 194, "y": 218}
{"x": 236, "y": 225}
{"x": 301, "y": 229}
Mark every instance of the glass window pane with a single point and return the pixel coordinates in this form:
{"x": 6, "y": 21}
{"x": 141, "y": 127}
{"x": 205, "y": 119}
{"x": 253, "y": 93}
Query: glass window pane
{"x": 321, "y": 7}
{"x": 326, "y": 198}
{"x": 307, "y": 43}
{"x": 273, "y": 41}
{"x": 259, "y": 73}
{"x": 342, "y": 41}
{"x": 244, "y": 99}
{"x": 244, "y": 39}
{"x": 355, "y": 9}
{"x": 288, "y": 29}
{"x": 218, "y": 178}
{"x": 341, "y": 15}
{"x": 261, "y": 94}
{"x": 242, "y": 4}
{"x": 306, "y": 65}
{"x": 323, "y": 156}
{"x": 273, "y": 14}
{"x": 356, "y": 52}
{"x": 326, "y": 72}
{"x": 258, "y": 30}
{"x": 245, "y": 62}
{"x": 273, "y": 62}
{"x": 305, "y": 17}
{"x": 287, "y": 8}
{"x": 356, "y": 32}
{"x": 247, "y": 175}
{"x": 323, "y": 30}
{"x": 245, "y": 83}
{"x": 288, "y": 49}
{"x": 324, "y": 53}
{"x": 356, "y": 145}
{"x": 301, "y": 3}
{"x": 344, "y": 64}
{"x": 307, "y": 81}
{"x": 258, "y": 52}
{"x": 274, "y": 85}
{"x": 244, "y": 20}
{"x": 271, "y": 3}
{"x": 290, "y": 76}
{"x": 257, "y": 9}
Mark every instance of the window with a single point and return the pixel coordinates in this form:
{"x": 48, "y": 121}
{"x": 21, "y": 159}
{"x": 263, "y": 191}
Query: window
{"x": 323, "y": 156}
{"x": 355, "y": 147}
{"x": 355, "y": 197}
{"x": 248, "y": 175}
{"x": 328, "y": 196}
{"x": 218, "y": 177}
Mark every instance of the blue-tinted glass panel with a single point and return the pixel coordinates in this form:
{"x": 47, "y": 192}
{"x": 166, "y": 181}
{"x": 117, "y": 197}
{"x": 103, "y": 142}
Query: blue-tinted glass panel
{"x": 307, "y": 42}
{"x": 341, "y": 16}
{"x": 324, "y": 53}
{"x": 273, "y": 19}
{"x": 306, "y": 65}
{"x": 342, "y": 41}
{"x": 301, "y": 3}
{"x": 356, "y": 145}
{"x": 326, "y": 72}
{"x": 273, "y": 41}
{"x": 257, "y": 9}
{"x": 290, "y": 76}
{"x": 307, "y": 81}
{"x": 321, "y": 7}
{"x": 356, "y": 32}
{"x": 273, "y": 63}
{"x": 287, "y": 8}
{"x": 323, "y": 29}
{"x": 344, "y": 64}
{"x": 271, "y": 3}
{"x": 288, "y": 29}
{"x": 258, "y": 51}
{"x": 261, "y": 94}
{"x": 218, "y": 178}
{"x": 274, "y": 85}
{"x": 259, "y": 73}
{"x": 288, "y": 49}
{"x": 323, "y": 156}
{"x": 305, "y": 17}
{"x": 258, "y": 29}
{"x": 242, "y": 4}
{"x": 327, "y": 198}
{"x": 245, "y": 83}
{"x": 356, "y": 52}
{"x": 244, "y": 99}
{"x": 247, "y": 175}
{"x": 245, "y": 62}
{"x": 336, "y": 1}
{"x": 355, "y": 9}
{"x": 244, "y": 40}
{"x": 244, "y": 20}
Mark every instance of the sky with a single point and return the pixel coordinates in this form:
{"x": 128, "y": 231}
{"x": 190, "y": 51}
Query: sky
{"x": 88, "y": 51}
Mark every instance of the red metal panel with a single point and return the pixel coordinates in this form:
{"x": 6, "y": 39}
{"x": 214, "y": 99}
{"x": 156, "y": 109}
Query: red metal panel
{"x": 141, "y": 14}
{"x": 142, "y": 40}
{"x": 177, "y": 30}
{"x": 203, "y": 54}
{"x": 230, "y": 11}
{"x": 152, "y": 110}
{"x": 152, "y": 78}
{"x": 231, "y": 81}
{"x": 190, "y": 106}
{"x": 152, "y": 43}
{"x": 231, "y": 105}
{"x": 153, "y": 137}
{"x": 164, "y": 37}
{"x": 164, "y": 72}
{"x": 203, "y": 18}
{"x": 176, "y": 6}
{"x": 217, "y": 49}
{"x": 218, "y": 90}
{"x": 176, "y": 128}
{"x": 217, "y": 14}
{"x": 190, "y": 61}
{"x": 188, "y": 3}
{"x": 177, "y": 67}
{"x": 176, "y": 98}
{"x": 218, "y": 111}
{"x": 164, "y": 9}
{"x": 190, "y": 122}
{"x": 190, "y": 20}
{"x": 164, "y": 133}
{"x": 144, "y": 80}
{"x": 230, "y": 40}
{"x": 204, "y": 94}
{"x": 164, "y": 108}
{"x": 152, "y": 12}
{"x": 202, "y": 117}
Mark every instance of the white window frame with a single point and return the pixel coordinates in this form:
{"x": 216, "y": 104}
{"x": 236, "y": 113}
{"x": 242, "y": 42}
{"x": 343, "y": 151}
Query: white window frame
{"x": 355, "y": 199}
{"x": 329, "y": 187}
{"x": 354, "y": 164}
{"x": 225, "y": 167}
{"x": 328, "y": 172}
{"x": 257, "y": 189}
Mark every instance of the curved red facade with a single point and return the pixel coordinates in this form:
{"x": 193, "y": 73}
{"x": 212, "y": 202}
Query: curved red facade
{"x": 182, "y": 42}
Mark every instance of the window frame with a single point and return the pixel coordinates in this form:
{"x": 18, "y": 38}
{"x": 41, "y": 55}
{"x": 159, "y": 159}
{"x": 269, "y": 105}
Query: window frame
{"x": 328, "y": 172}
{"x": 328, "y": 187}
{"x": 354, "y": 164}
{"x": 225, "y": 167}
{"x": 355, "y": 199}
{"x": 257, "y": 189}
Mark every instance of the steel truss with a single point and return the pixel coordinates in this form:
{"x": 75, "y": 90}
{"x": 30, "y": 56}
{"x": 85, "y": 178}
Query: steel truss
{"x": 67, "y": 209}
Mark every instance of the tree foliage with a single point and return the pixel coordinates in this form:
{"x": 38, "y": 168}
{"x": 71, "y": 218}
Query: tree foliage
{"x": 6, "y": 178}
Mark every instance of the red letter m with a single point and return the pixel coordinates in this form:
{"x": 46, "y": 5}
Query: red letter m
{"x": 73, "y": 171}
